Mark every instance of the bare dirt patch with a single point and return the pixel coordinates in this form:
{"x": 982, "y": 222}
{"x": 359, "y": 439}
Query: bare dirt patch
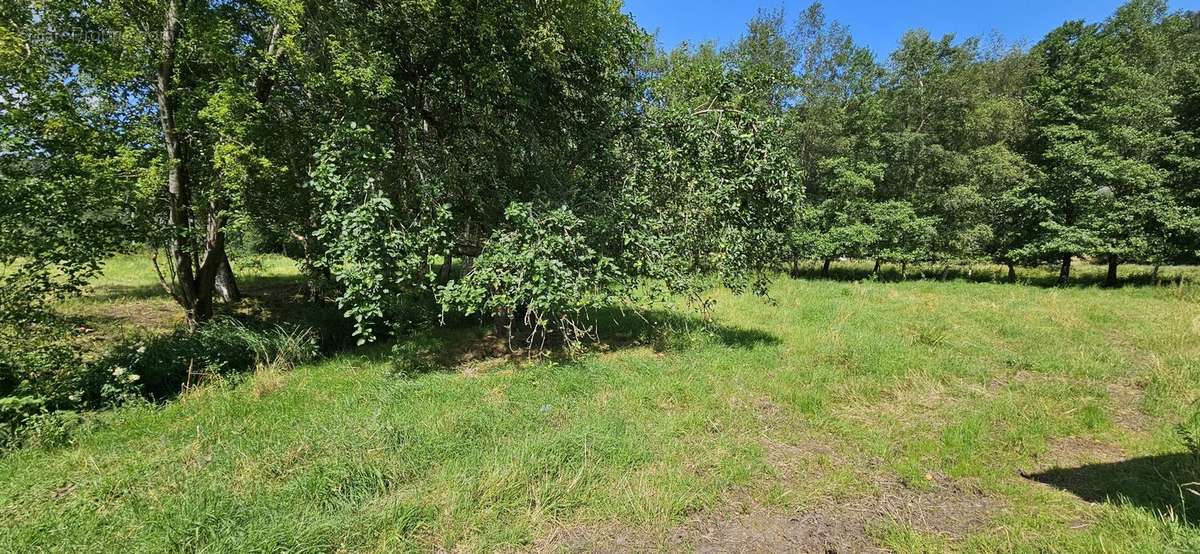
{"x": 1127, "y": 407}
{"x": 848, "y": 525}
{"x": 1078, "y": 451}
{"x": 841, "y": 526}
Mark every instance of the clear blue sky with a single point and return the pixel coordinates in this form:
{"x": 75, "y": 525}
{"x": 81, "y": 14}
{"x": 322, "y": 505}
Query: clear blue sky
{"x": 877, "y": 24}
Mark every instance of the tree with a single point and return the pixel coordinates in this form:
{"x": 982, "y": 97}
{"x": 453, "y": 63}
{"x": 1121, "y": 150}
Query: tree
{"x": 711, "y": 186}
{"x": 833, "y": 131}
{"x": 185, "y": 80}
{"x": 1183, "y": 243}
{"x": 472, "y": 114}
{"x": 1104, "y": 124}
{"x": 64, "y": 169}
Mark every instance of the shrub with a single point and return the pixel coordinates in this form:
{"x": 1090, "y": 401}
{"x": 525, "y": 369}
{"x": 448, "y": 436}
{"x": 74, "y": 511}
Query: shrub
{"x": 540, "y": 274}
{"x": 44, "y": 383}
{"x": 164, "y": 366}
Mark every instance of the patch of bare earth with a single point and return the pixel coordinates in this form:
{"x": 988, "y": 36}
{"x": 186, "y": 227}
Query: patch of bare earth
{"x": 834, "y": 527}
{"x": 1127, "y": 407}
{"x": 829, "y": 524}
{"x": 848, "y": 525}
{"x": 1078, "y": 451}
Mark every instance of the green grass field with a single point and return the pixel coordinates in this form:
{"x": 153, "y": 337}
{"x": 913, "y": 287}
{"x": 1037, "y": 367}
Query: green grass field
{"x": 852, "y": 415}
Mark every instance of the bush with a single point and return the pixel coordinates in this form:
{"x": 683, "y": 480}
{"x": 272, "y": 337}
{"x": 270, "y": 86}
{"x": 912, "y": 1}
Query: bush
{"x": 162, "y": 367}
{"x": 541, "y": 274}
{"x": 44, "y": 383}
{"x": 41, "y": 372}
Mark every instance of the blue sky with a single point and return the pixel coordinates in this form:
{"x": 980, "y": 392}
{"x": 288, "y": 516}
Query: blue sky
{"x": 877, "y": 24}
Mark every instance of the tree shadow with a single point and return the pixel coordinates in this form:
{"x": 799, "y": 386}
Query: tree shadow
{"x": 670, "y": 330}
{"x": 1161, "y": 484}
{"x": 268, "y": 302}
{"x": 471, "y": 341}
{"x": 1084, "y": 276}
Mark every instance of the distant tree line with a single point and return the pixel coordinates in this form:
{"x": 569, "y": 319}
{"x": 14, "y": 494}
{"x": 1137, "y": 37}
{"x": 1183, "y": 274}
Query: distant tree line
{"x": 535, "y": 161}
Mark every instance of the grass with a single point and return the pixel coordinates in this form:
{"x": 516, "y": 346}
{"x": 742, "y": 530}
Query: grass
{"x": 955, "y": 415}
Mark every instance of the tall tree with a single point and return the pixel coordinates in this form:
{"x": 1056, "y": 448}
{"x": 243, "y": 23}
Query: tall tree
{"x": 193, "y": 71}
{"x": 834, "y": 130}
{"x": 1104, "y": 123}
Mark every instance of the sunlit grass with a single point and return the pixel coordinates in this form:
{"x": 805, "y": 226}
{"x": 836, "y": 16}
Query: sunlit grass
{"x": 970, "y": 382}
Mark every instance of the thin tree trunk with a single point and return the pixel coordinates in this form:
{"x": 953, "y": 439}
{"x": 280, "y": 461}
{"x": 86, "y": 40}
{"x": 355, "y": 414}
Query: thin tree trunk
{"x": 1111, "y": 279}
{"x": 1154, "y": 274}
{"x": 825, "y": 268}
{"x": 1012, "y": 272}
{"x": 1064, "y": 275}
{"x": 903, "y": 271}
{"x": 195, "y": 276}
{"x": 878, "y": 266}
{"x": 179, "y": 196}
{"x": 444, "y": 271}
{"x": 226, "y": 283}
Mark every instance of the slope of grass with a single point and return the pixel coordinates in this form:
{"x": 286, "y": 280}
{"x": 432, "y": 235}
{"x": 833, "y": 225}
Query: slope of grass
{"x": 834, "y": 393}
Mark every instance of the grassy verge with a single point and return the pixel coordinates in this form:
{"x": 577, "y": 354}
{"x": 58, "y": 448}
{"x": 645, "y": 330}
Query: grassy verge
{"x": 912, "y": 416}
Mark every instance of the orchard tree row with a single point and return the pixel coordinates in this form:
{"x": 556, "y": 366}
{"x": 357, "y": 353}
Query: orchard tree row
{"x": 535, "y": 161}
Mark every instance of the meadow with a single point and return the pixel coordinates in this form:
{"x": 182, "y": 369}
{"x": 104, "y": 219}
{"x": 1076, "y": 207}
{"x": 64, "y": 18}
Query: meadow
{"x": 850, "y": 414}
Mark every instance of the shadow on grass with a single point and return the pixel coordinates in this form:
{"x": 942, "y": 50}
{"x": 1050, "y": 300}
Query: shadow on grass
{"x": 1090, "y": 277}
{"x": 273, "y": 325}
{"x": 1161, "y": 484}
{"x": 268, "y": 302}
{"x": 468, "y": 343}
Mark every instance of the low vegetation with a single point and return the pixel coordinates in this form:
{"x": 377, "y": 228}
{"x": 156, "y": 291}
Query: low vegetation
{"x": 849, "y": 413}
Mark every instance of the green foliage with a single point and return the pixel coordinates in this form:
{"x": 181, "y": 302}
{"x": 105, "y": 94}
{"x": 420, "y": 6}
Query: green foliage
{"x": 159, "y": 368}
{"x": 903, "y": 235}
{"x": 711, "y": 186}
{"x": 377, "y": 242}
{"x": 64, "y": 174}
{"x": 540, "y": 271}
{"x": 1103, "y": 115}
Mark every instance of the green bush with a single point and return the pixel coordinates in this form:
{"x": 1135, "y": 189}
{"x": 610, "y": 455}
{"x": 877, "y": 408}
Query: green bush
{"x": 161, "y": 367}
{"x": 44, "y": 383}
{"x": 40, "y": 370}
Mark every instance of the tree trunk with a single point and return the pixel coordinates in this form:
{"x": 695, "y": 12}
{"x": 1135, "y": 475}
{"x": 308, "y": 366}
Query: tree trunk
{"x": 444, "y": 271}
{"x": 1154, "y": 274}
{"x": 903, "y": 271}
{"x": 179, "y": 197}
{"x": 878, "y": 266}
{"x": 825, "y": 268}
{"x": 1012, "y": 272}
{"x": 1110, "y": 280}
{"x": 195, "y": 277}
{"x": 1064, "y": 275}
{"x": 226, "y": 284}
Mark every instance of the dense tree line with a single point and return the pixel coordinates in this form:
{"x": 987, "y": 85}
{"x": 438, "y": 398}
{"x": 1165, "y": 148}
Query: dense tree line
{"x": 535, "y": 161}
